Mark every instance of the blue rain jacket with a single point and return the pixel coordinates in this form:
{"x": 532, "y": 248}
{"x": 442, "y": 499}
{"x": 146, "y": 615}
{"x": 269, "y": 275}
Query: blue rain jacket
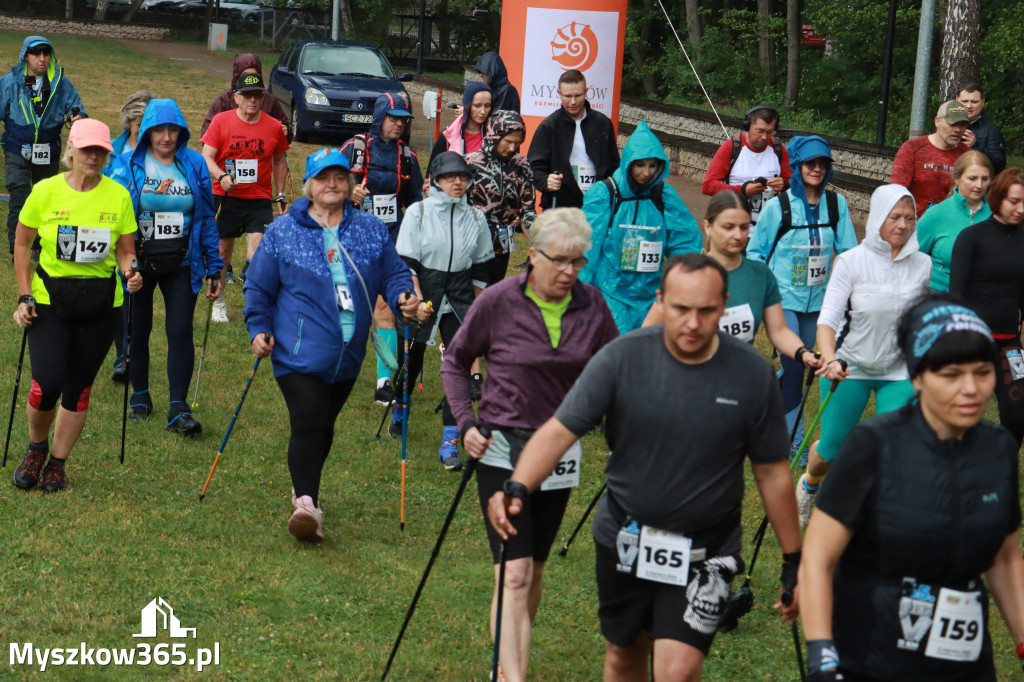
{"x": 613, "y": 255}
{"x": 789, "y": 262}
{"x": 129, "y": 169}
{"x": 21, "y": 127}
{"x": 289, "y": 291}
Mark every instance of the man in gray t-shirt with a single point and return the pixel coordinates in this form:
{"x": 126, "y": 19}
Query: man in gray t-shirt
{"x": 684, "y": 405}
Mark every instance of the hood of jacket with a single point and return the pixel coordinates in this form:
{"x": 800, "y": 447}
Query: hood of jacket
{"x": 500, "y": 124}
{"x": 491, "y": 65}
{"x": 21, "y": 68}
{"x": 642, "y": 144}
{"x": 243, "y": 62}
{"x": 883, "y": 199}
{"x": 160, "y": 112}
{"x": 473, "y": 88}
{"x": 384, "y": 104}
{"x": 803, "y": 149}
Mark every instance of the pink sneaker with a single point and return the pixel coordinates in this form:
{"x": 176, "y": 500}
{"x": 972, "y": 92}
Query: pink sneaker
{"x": 307, "y": 522}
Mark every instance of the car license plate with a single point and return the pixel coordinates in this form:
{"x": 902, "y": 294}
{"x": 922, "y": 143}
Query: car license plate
{"x": 357, "y": 118}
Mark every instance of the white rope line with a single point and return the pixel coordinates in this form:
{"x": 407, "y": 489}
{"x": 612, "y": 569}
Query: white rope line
{"x": 696, "y": 75}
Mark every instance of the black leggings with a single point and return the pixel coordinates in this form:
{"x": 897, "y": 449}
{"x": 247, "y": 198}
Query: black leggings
{"x": 66, "y": 355}
{"x": 1010, "y": 393}
{"x": 180, "y": 305}
{"x": 497, "y": 268}
{"x": 448, "y": 325}
{"x": 313, "y": 407}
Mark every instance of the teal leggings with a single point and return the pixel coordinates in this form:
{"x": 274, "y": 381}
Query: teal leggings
{"x": 847, "y": 406}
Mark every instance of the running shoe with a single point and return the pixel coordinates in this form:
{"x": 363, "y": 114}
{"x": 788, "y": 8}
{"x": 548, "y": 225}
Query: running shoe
{"x": 139, "y": 407}
{"x": 220, "y": 310}
{"x": 448, "y": 454}
{"x": 27, "y": 474}
{"x": 804, "y": 500}
{"x": 53, "y": 478}
{"x": 185, "y": 424}
{"x": 230, "y": 277}
{"x": 120, "y": 375}
{"x": 384, "y": 393}
{"x": 307, "y": 521}
{"x": 395, "y": 427}
{"x": 476, "y": 385}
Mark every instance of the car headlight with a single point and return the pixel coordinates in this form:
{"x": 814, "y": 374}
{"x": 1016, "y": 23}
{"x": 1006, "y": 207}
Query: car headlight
{"x": 315, "y": 97}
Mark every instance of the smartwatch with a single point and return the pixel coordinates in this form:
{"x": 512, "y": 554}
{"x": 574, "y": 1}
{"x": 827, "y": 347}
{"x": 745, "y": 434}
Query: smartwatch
{"x": 27, "y": 298}
{"x": 515, "y": 489}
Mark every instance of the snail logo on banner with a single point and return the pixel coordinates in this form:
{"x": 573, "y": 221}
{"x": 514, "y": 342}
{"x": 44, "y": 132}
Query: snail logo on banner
{"x": 558, "y": 40}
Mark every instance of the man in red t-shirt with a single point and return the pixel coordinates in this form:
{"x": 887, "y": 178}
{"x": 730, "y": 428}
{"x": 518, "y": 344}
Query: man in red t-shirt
{"x": 924, "y": 165}
{"x": 744, "y": 159}
{"x": 241, "y": 148}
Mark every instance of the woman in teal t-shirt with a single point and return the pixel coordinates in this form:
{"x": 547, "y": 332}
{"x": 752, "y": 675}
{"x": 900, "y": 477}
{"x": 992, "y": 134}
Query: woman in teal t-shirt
{"x": 753, "y": 291}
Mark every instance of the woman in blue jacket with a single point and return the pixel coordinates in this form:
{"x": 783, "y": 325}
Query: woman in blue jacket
{"x": 800, "y": 253}
{"x": 176, "y": 244}
{"x": 311, "y": 287}
{"x": 638, "y": 222}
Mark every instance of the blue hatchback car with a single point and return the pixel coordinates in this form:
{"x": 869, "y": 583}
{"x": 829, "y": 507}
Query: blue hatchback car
{"x": 330, "y": 86}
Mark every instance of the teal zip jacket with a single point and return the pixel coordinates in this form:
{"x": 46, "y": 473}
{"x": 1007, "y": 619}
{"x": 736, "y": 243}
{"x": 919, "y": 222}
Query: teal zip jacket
{"x": 938, "y": 228}
{"x": 791, "y": 258}
{"x": 22, "y": 128}
{"x": 629, "y": 247}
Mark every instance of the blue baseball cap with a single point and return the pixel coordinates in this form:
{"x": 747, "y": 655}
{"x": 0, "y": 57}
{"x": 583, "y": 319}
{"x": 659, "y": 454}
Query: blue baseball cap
{"x": 399, "y": 107}
{"x": 36, "y": 43}
{"x": 325, "y": 158}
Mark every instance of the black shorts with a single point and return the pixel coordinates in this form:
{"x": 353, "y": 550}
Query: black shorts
{"x": 537, "y": 525}
{"x": 629, "y": 605}
{"x": 236, "y": 217}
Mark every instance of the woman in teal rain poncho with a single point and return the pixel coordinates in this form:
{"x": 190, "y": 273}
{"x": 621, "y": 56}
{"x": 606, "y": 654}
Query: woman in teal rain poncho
{"x": 638, "y": 221}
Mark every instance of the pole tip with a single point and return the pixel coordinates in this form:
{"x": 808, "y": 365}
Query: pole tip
{"x": 120, "y": 456}
{"x": 402, "y": 526}
{"x": 201, "y": 496}
{"x": 563, "y": 550}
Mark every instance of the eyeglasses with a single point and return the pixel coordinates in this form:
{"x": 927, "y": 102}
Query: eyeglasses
{"x": 820, "y": 162}
{"x": 36, "y": 51}
{"x": 763, "y": 131}
{"x": 564, "y": 263}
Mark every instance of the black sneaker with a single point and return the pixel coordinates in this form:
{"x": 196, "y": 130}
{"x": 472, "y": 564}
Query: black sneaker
{"x": 185, "y": 424}
{"x": 27, "y": 474}
{"x": 476, "y": 385}
{"x": 139, "y": 407}
{"x": 384, "y": 393}
{"x": 395, "y": 426}
{"x": 120, "y": 375}
{"x": 453, "y": 463}
{"x": 54, "y": 478}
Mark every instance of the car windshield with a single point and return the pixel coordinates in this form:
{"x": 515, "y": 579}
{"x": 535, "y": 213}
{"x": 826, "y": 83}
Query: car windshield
{"x": 345, "y": 61}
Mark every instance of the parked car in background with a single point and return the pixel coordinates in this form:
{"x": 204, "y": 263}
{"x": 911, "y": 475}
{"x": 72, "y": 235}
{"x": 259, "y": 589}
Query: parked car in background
{"x": 329, "y": 87}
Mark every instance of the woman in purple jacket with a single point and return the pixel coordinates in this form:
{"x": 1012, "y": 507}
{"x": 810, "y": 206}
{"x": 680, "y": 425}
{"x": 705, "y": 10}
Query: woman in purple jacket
{"x": 537, "y": 331}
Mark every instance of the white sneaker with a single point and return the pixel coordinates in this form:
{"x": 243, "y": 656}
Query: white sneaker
{"x": 307, "y": 522}
{"x": 804, "y": 501}
{"x": 220, "y": 310}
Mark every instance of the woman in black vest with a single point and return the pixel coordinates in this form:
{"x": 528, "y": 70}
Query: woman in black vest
{"x": 921, "y": 504}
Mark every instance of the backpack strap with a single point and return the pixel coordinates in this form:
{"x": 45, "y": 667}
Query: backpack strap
{"x": 831, "y": 204}
{"x": 736, "y": 147}
{"x": 616, "y": 198}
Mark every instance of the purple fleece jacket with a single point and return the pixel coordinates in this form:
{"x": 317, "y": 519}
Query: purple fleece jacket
{"x": 526, "y": 378}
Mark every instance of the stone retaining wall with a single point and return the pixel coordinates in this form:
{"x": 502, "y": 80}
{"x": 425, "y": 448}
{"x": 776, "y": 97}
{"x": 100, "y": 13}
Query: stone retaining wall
{"x": 95, "y": 29}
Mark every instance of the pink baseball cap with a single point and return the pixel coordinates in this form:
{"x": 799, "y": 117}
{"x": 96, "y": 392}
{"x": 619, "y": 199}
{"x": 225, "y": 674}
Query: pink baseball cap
{"x": 88, "y": 132}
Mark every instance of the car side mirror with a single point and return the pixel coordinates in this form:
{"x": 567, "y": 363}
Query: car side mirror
{"x": 406, "y": 77}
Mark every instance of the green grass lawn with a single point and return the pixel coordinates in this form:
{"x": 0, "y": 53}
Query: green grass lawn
{"x": 78, "y": 566}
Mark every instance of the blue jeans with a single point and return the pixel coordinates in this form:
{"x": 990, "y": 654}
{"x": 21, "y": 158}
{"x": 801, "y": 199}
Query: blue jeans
{"x": 180, "y": 305}
{"x": 804, "y": 325}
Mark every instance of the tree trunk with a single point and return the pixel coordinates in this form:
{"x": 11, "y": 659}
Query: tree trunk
{"x": 130, "y": 14}
{"x": 639, "y": 48}
{"x": 69, "y": 9}
{"x": 765, "y": 45}
{"x": 348, "y": 26}
{"x": 959, "y": 47}
{"x": 101, "y": 11}
{"x": 694, "y": 27}
{"x": 793, "y": 26}
{"x": 207, "y": 19}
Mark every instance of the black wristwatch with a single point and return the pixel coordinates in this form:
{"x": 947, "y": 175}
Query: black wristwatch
{"x": 222, "y": 176}
{"x": 515, "y": 489}
{"x": 799, "y": 354}
{"x": 27, "y": 298}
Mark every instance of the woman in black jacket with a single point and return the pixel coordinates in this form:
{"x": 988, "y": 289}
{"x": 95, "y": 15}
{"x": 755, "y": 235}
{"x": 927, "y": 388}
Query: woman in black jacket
{"x": 921, "y": 504}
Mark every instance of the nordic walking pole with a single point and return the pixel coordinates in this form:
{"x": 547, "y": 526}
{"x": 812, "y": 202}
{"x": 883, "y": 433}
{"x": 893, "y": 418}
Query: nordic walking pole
{"x": 787, "y": 599}
{"x": 564, "y": 549}
{"x": 396, "y": 376}
{"x": 127, "y": 359}
{"x": 234, "y": 418}
{"x": 405, "y": 426}
{"x": 17, "y": 385}
{"x": 497, "y": 620}
{"x": 467, "y": 473}
{"x": 202, "y": 354}
{"x": 817, "y": 417}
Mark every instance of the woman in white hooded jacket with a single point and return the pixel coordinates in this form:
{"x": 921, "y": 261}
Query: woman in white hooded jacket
{"x": 871, "y": 286}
